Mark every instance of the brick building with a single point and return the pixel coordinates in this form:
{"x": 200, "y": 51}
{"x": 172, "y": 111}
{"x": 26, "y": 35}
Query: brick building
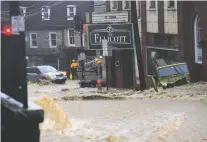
{"x": 193, "y": 37}
{"x": 176, "y": 30}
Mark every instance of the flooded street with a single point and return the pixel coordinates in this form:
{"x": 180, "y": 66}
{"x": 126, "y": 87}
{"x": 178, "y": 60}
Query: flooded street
{"x": 134, "y": 120}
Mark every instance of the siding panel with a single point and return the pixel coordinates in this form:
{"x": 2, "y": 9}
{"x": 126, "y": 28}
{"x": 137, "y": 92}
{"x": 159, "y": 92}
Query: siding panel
{"x": 152, "y": 18}
{"x": 99, "y": 6}
{"x": 170, "y": 19}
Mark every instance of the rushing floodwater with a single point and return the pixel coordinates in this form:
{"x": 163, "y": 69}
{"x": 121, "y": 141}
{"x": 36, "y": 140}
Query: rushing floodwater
{"x": 132, "y": 121}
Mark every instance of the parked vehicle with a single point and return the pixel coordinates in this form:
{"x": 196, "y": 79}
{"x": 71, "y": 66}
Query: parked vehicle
{"x": 37, "y": 73}
{"x": 169, "y": 75}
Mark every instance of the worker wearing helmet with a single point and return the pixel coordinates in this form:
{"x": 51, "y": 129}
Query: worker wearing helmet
{"x": 99, "y": 65}
{"x": 98, "y": 61}
{"x": 73, "y": 67}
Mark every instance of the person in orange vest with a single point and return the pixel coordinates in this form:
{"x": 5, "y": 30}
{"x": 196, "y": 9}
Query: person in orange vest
{"x": 99, "y": 63}
{"x": 73, "y": 68}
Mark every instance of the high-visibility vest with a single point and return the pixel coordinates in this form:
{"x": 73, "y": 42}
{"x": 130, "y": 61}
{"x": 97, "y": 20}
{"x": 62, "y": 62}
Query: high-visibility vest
{"x": 74, "y": 65}
{"x": 98, "y": 61}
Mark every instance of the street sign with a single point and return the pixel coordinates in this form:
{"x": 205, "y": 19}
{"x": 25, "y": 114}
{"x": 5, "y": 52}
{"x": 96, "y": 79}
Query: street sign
{"x": 82, "y": 56}
{"x": 105, "y": 47}
{"x": 105, "y": 53}
{"x": 18, "y": 24}
{"x": 110, "y": 17}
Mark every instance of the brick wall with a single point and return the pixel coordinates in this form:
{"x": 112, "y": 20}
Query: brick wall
{"x": 186, "y": 35}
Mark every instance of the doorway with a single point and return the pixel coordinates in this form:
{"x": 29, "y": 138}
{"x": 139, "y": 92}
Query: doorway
{"x": 122, "y": 69}
{"x": 113, "y": 69}
{"x": 127, "y": 68}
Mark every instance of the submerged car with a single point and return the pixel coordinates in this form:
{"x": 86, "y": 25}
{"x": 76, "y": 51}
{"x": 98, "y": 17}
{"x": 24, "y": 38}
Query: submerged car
{"x": 167, "y": 74}
{"x": 171, "y": 75}
{"x": 45, "y": 72}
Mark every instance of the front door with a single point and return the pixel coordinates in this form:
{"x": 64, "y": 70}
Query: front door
{"x": 127, "y": 68}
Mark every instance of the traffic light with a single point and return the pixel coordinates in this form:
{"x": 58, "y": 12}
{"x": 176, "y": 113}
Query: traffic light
{"x": 7, "y": 30}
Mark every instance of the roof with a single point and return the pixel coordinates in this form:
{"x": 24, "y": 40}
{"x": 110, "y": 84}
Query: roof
{"x": 171, "y": 65}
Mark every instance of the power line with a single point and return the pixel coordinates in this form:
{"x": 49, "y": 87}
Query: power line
{"x": 36, "y": 24}
{"x": 55, "y": 4}
{"x": 39, "y": 7}
{"x": 33, "y": 5}
{"x": 39, "y": 10}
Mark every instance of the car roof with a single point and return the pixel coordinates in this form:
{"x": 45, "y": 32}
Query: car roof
{"x": 39, "y": 66}
{"x": 161, "y": 67}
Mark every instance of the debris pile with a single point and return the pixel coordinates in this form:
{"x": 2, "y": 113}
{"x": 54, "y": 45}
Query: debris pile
{"x": 185, "y": 92}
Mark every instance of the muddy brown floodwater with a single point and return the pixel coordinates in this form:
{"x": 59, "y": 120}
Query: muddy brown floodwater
{"x": 136, "y": 120}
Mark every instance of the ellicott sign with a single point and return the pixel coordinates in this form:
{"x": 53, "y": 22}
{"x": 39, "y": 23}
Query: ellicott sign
{"x": 110, "y": 38}
{"x": 117, "y": 35}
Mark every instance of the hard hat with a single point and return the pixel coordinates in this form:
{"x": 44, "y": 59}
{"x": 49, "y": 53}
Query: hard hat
{"x": 100, "y": 57}
{"x": 73, "y": 60}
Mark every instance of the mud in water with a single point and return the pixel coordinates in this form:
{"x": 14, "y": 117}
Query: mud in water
{"x": 146, "y": 120}
{"x": 125, "y": 131}
{"x": 55, "y": 117}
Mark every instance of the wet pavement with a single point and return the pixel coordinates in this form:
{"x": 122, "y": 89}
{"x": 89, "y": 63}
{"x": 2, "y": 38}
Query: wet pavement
{"x": 145, "y": 120}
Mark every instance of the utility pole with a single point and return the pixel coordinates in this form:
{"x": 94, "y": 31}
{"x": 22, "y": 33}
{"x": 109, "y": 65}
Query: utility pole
{"x": 19, "y": 60}
{"x": 19, "y": 122}
{"x": 82, "y": 49}
{"x": 78, "y": 26}
{"x": 138, "y": 45}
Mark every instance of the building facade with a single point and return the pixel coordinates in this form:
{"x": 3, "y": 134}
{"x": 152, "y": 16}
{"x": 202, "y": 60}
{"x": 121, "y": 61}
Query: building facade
{"x": 50, "y": 30}
{"x": 193, "y": 37}
{"x": 159, "y": 21}
{"x": 174, "y": 30}
{"x": 121, "y": 65}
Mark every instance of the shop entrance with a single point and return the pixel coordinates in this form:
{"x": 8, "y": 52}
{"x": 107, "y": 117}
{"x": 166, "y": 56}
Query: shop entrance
{"x": 122, "y": 68}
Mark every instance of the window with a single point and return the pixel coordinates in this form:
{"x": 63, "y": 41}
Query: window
{"x": 71, "y": 12}
{"x": 22, "y": 11}
{"x": 197, "y": 40}
{"x": 46, "y": 69}
{"x": 32, "y": 70}
{"x": 139, "y": 9}
{"x": 171, "y": 4}
{"x": 152, "y": 4}
{"x": 53, "y": 40}
{"x": 45, "y": 13}
{"x": 29, "y": 70}
{"x": 84, "y": 39}
{"x": 71, "y": 39}
{"x": 114, "y": 5}
{"x": 125, "y": 5}
{"x": 33, "y": 40}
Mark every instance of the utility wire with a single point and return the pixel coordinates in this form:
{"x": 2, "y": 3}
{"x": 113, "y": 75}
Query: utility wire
{"x": 55, "y": 4}
{"x": 39, "y": 7}
{"x": 39, "y": 10}
{"x": 33, "y": 5}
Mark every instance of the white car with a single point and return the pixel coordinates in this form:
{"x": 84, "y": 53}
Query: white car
{"x": 37, "y": 73}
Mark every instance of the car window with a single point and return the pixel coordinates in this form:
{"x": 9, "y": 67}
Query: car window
{"x": 182, "y": 68}
{"x": 167, "y": 71}
{"x": 30, "y": 70}
{"x": 46, "y": 69}
{"x": 36, "y": 70}
{"x": 173, "y": 70}
{"x": 33, "y": 70}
